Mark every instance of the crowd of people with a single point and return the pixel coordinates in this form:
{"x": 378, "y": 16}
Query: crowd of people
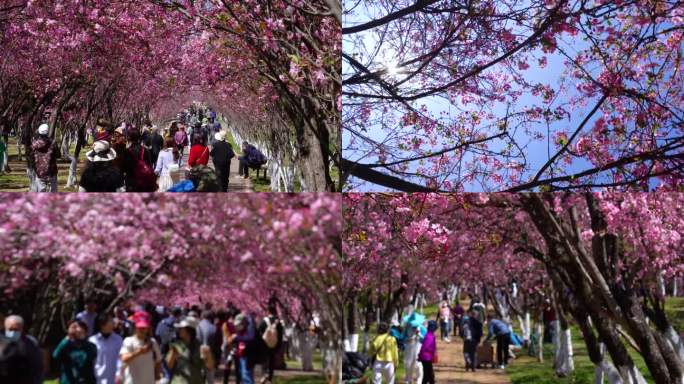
{"x": 415, "y": 339}
{"x": 126, "y": 158}
{"x": 147, "y": 344}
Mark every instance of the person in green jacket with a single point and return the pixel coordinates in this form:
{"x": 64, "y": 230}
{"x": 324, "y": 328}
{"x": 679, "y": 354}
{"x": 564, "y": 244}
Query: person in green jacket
{"x": 76, "y": 356}
{"x": 187, "y": 358}
{"x": 3, "y": 148}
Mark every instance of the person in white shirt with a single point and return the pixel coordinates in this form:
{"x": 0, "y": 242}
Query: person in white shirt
{"x": 167, "y": 162}
{"x": 140, "y": 353}
{"x": 108, "y": 345}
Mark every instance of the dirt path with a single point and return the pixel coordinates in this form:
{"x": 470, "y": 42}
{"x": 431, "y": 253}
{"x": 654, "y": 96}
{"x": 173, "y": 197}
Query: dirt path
{"x": 451, "y": 367}
{"x": 290, "y": 374}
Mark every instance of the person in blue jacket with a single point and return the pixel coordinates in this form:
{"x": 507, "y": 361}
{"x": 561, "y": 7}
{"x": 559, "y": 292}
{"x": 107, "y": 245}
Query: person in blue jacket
{"x": 502, "y": 332}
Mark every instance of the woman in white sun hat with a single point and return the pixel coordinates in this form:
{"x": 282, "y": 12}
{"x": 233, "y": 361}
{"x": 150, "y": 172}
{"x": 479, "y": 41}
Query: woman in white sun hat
{"x": 187, "y": 359}
{"x": 100, "y": 174}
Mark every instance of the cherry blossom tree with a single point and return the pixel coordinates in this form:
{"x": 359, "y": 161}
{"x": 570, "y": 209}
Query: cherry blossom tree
{"x": 600, "y": 257}
{"x": 509, "y": 95}
{"x": 273, "y": 71}
{"x": 248, "y": 249}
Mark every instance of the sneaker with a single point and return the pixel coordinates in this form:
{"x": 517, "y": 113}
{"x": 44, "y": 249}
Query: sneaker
{"x": 502, "y": 367}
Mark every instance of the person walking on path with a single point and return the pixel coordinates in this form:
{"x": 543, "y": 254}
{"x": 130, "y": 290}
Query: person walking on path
{"x": 180, "y": 137}
{"x": 167, "y": 162}
{"x": 187, "y": 358}
{"x": 22, "y": 359}
{"x": 137, "y": 165}
{"x": 140, "y": 353}
{"x": 166, "y": 334}
{"x": 244, "y": 337}
{"x": 428, "y": 352}
{"x": 89, "y": 315}
{"x": 472, "y": 333}
{"x": 221, "y": 155}
{"x": 413, "y": 334}
{"x": 100, "y": 174}
{"x": 108, "y": 345}
{"x": 199, "y": 152}
{"x": 76, "y": 356}
{"x": 502, "y": 332}
{"x": 271, "y": 331}
{"x": 229, "y": 348}
{"x": 3, "y": 151}
{"x": 458, "y": 313}
{"x": 444, "y": 320}
{"x": 154, "y": 142}
{"x": 384, "y": 351}
{"x": 44, "y": 160}
{"x": 208, "y": 336}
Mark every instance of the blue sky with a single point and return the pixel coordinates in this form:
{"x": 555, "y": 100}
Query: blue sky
{"x": 537, "y": 152}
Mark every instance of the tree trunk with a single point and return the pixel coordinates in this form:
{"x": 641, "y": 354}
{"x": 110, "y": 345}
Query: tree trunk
{"x": 564, "y": 361}
{"x": 307, "y": 343}
{"x": 527, "y": 330}
{"x": 540, "y": 342}
{"x": 310, "y": 161}
{"x": 65, "y": 143}
{"x": 351, "y": 341}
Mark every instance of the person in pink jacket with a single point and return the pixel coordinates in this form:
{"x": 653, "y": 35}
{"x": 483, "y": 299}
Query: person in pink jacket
{"x": 427, "y": 353}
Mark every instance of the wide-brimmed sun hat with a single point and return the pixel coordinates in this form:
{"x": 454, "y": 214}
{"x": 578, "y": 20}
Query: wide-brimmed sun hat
{"x": 187, "y": 322}
{"x": 101, "y": 152}
{"x": 220, "y": 136}
{"x": 43, "y": 129}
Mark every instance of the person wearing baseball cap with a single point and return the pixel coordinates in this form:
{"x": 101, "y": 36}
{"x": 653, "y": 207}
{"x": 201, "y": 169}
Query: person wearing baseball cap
{"x": 188, "y": 360}
{"x": 140, "y": 353}
{"x": 244, "y": 338}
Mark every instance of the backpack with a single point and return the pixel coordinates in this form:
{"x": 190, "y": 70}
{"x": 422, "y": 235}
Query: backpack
{"x": 271, "y": 334}
{"x": 204, "y": 179}
{"x": 180, "y": 138}
{"x": 44, "y": 165}
{"x": 145, "y": 178}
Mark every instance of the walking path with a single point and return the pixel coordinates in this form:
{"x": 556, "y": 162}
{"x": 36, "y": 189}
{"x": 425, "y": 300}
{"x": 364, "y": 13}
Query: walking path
{"x": 289, "y": 375}
{"x": 451, "y": 367}
{"x": 236, "y": 183}
{"x": 17, "y": 180}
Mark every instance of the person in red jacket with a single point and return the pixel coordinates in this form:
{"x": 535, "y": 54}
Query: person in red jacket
{"x": 199, "y": 152}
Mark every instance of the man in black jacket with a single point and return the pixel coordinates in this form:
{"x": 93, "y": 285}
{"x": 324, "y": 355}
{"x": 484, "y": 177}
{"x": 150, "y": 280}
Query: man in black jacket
{"x": 221, "y": 154}
{"x": 154, "y": 142}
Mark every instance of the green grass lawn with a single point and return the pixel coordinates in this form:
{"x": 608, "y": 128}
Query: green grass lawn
{"x": 18, "y": 180}
{"x": 526, "y": 369}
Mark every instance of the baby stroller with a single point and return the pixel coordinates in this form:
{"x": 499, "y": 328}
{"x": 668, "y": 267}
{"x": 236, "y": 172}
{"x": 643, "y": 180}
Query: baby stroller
{"x": 354, "y": 365}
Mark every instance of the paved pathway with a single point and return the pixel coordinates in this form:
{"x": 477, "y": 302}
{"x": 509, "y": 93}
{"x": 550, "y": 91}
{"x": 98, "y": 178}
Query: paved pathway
{"x": 236, "y": 183}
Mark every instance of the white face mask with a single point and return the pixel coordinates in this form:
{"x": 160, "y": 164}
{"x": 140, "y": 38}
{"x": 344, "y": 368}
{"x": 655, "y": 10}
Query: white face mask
{"x": 12, "y": 335}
